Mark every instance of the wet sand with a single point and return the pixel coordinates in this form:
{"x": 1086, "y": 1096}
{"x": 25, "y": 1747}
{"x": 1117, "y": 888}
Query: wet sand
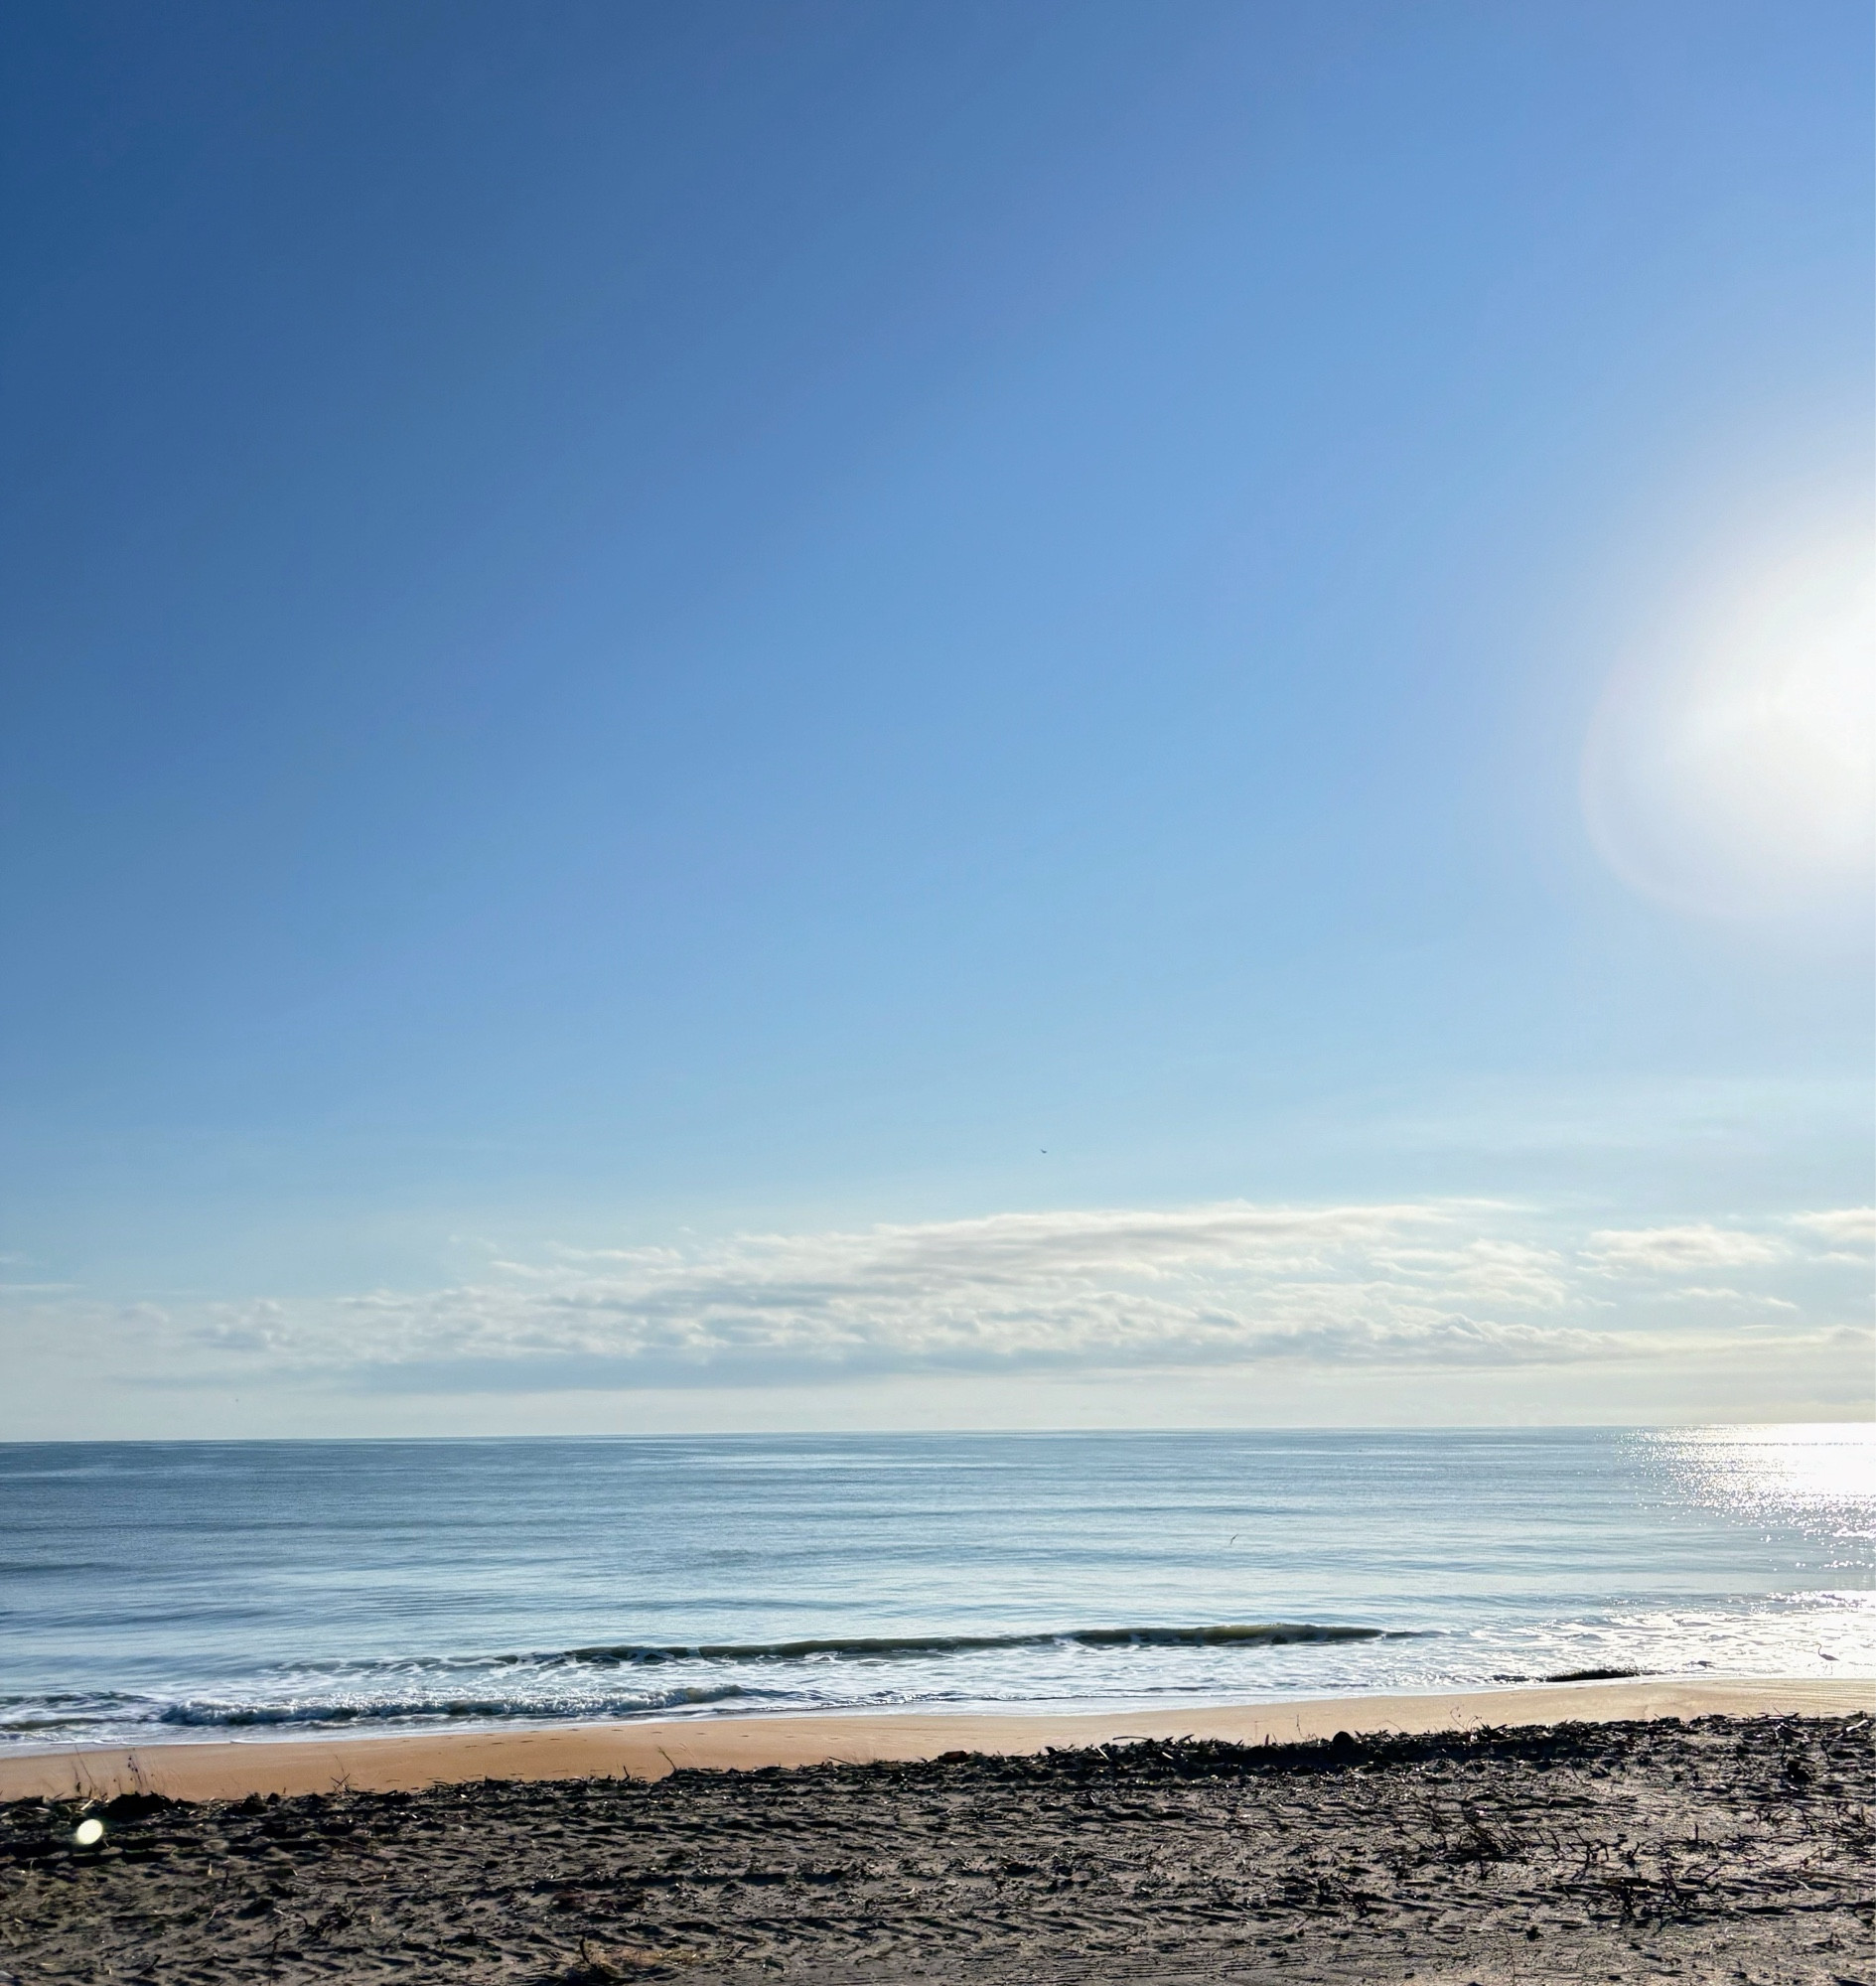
{"x": 231, "y": 1769}
{"x": 1723, "y": 1848}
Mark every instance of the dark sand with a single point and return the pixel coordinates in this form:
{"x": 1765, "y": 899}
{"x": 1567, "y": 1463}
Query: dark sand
{"x": 1722, "y": 1849}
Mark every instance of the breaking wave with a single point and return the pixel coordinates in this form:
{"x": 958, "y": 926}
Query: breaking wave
{"x": 570, "y": 1684}
{"x": 882, "y": 1648}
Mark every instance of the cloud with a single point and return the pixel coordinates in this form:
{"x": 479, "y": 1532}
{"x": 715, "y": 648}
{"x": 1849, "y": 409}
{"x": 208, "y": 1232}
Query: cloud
{"x": 1749, "y": 1298}
{"x": 1408, "y": 1285}
{"x": 1398, "y": 1285}
{"x": 1844, "y": 1227}
{"x": 1672, "y": 1250}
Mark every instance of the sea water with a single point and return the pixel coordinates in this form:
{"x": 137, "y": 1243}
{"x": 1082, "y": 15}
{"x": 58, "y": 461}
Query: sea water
{"x": 177, "y": 1590}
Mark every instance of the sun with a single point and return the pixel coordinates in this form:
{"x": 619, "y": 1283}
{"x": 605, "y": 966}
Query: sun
{"x": 1730, "y": 769}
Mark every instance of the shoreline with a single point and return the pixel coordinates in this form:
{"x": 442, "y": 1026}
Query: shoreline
{"x": 235, "y": 1767}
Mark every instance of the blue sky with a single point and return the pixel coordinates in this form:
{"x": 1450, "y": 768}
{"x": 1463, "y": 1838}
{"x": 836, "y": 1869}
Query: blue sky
{"x": 813, "y": 647}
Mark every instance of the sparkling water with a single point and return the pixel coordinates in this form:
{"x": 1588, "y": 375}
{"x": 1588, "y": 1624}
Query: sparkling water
{"x": 176, "y": 1590}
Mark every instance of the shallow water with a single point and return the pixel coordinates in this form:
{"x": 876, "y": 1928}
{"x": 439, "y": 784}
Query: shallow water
{"x": 152, "y": 1590}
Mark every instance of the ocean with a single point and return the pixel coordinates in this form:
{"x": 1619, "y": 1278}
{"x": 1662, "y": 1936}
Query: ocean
{"x": 154, "y": 1590}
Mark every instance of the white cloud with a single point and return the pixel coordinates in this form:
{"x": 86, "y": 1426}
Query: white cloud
{"x": 1672, "y": 1250}
{"x": 1396, "y": 1285}
{"x": 1415, "y": 1294}
{"x": 1842, "y": 1226}
{"x": 1738, "y": 1299}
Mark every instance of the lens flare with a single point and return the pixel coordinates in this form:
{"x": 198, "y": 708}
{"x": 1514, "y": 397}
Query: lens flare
{"x": 1731, "y": 768}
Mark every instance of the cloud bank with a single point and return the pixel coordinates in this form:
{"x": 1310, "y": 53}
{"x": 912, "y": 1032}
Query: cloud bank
{"x": 1416, "y": 1285}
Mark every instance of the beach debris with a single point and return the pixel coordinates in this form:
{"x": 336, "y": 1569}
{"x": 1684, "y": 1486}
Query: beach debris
{"x": 88, "y": 1832}
{"x": 1543, "y": 1853}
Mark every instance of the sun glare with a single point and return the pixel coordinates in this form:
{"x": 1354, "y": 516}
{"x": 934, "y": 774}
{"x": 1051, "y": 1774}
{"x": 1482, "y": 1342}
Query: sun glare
{"x": 1731, "y": 768}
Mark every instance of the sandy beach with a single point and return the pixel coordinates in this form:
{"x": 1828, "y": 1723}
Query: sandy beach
{"x": 1594, "y": 1831}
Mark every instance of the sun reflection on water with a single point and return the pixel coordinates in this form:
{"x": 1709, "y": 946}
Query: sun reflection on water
{"x": 1820, "y": 1479}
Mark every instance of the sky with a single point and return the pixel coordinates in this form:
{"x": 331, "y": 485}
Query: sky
{"x": 869, "y": 713}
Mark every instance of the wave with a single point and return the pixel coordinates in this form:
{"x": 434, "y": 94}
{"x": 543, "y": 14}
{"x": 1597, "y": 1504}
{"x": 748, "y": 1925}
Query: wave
{"x": 53, "y": 1710}
{"x": 245, "y": 1716}
{"x": 887, "y": 1647}
{"x": 1255, "y": 1633}
{"x": 566, "y": 1684}
{"x": 856, "y": 1648}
